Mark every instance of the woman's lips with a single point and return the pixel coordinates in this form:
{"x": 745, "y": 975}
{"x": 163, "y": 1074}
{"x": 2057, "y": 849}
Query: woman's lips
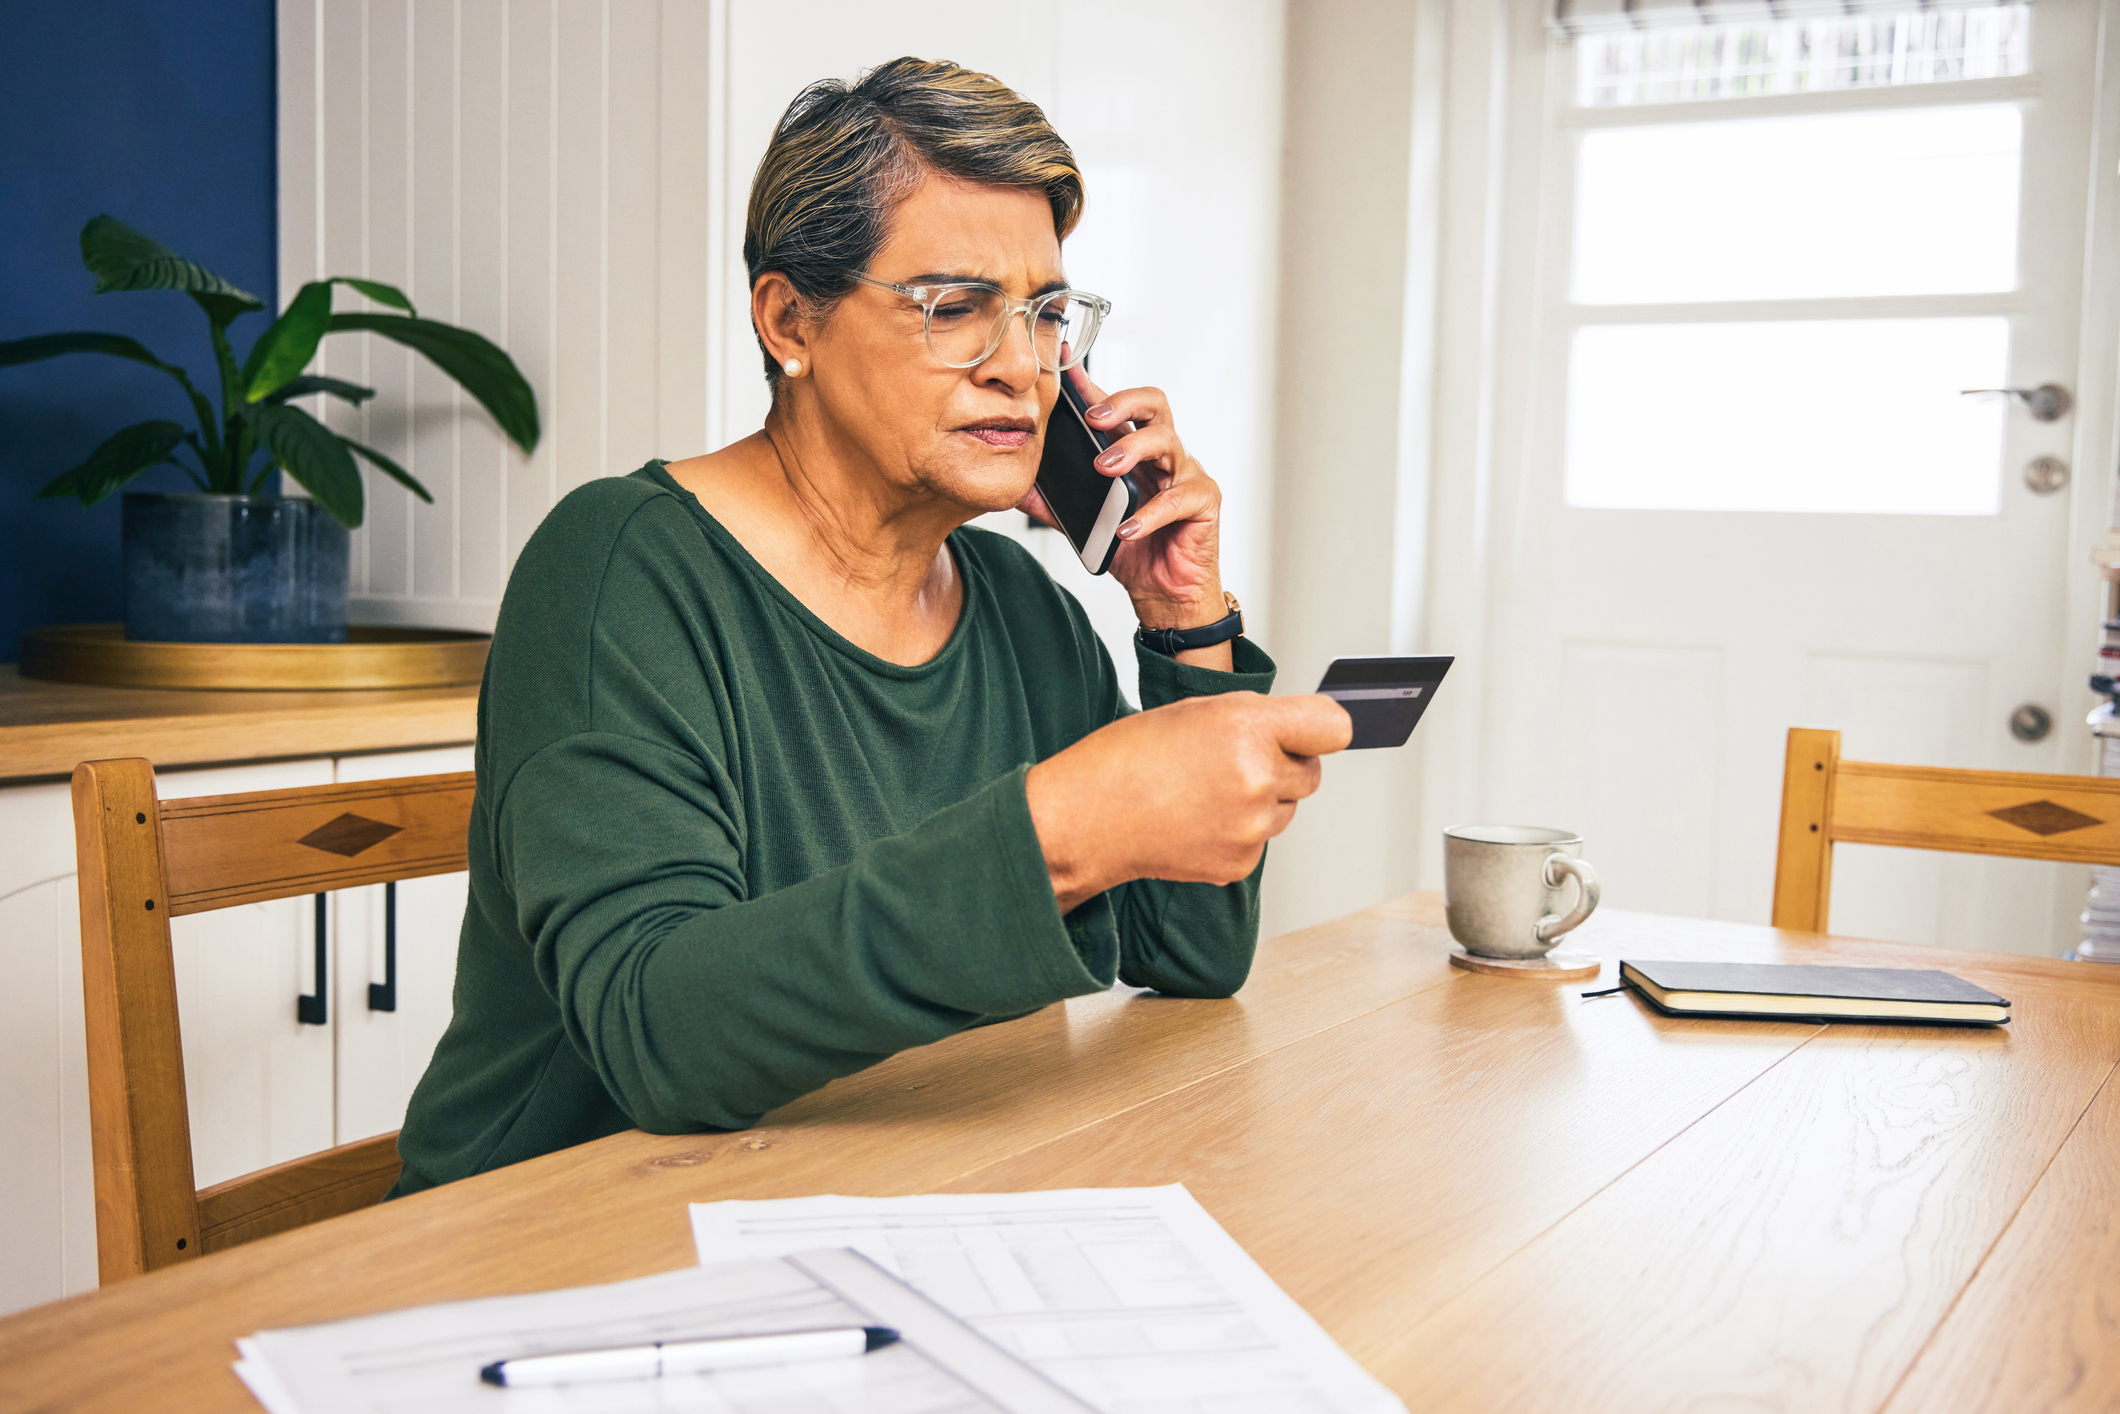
{"x": 1009, "y": 437}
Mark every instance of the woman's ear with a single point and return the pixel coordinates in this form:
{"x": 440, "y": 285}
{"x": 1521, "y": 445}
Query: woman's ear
{"x": 777, "y": 315}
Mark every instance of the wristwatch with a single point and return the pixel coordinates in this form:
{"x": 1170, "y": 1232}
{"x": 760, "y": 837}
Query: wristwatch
{"x": 1170, "y": 642}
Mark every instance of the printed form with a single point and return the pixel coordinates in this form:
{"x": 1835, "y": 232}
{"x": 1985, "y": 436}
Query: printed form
{"x": 1135, "y": 1299}
{"x": 427, "y": 1360}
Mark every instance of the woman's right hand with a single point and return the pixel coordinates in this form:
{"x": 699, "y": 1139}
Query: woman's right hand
{"x": 1189, "y": 792}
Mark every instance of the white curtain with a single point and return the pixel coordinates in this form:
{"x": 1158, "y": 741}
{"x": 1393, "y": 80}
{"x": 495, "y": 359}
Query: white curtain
{"x": 1571, "y": 18}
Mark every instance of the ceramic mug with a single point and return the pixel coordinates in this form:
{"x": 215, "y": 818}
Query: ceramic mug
{"x": 1503, "y": 886}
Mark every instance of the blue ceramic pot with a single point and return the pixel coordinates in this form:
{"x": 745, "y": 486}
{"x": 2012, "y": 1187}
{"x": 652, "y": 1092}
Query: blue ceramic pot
{"x": 233, "y": 569}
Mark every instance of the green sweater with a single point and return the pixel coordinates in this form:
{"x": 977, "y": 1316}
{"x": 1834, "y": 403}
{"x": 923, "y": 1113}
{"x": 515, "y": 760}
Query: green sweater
{"x": 721, "y": 856}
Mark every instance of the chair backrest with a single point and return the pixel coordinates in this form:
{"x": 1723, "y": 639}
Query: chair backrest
{"x": 144, "y": 861}
{"x": 1826, "y": 801}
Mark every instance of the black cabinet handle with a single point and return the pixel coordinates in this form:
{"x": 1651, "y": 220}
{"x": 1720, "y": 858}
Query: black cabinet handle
{"x": 310, "y": 1009}
{"x": 382, "y": 996}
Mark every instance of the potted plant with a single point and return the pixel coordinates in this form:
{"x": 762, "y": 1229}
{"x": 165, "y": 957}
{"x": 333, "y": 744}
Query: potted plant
{"x": 232, "y": 563}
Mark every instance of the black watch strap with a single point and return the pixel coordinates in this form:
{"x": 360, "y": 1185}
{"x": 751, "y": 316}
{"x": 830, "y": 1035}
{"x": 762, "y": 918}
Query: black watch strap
{"x": 1170, "y": 642}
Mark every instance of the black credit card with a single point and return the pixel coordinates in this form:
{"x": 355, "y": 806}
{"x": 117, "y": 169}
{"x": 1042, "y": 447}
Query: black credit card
{"x": 1385, "y": 696}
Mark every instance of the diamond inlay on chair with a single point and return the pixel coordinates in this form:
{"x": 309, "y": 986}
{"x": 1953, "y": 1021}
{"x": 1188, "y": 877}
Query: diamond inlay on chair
{"x": 2044, "y": 817}
{"x": 349, "y": 834}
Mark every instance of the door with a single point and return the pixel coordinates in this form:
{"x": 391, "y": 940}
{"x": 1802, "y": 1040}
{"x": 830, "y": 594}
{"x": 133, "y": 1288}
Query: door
{"x": 1753, "y": 495}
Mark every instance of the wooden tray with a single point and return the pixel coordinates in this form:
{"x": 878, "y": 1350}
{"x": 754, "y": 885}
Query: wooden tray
{"x": 371, "y": 658}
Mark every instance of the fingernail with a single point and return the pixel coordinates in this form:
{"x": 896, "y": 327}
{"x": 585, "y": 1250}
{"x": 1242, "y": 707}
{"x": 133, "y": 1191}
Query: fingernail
{"x": 1111, "y": 458}
{"x": 1129, "y": 529}
{"x": 1101, "y": 410}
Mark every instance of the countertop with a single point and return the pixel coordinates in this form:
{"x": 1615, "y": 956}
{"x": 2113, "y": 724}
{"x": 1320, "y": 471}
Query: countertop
{"x": 47, "y": 728}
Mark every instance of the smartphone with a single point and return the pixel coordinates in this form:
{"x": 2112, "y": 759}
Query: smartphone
{"x": 1089, "y": 505}
{"x": 1385, "y": 696}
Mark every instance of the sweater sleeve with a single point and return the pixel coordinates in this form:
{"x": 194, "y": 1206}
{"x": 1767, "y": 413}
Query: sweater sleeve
{"x": 700, "y": 1007}
{"x": 1190, "y": 940}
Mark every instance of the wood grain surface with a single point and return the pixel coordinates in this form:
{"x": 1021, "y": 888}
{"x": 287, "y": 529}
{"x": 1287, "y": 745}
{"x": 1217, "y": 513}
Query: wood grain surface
{"x": 1977, "y": 812}
{"x": 2039, "y": 1326}
{"x": 224, "y": 850}
{"x": 48, "y": 728}
{"x": 1827, "y": 801}
{"x": 301, "y": 1191}
{"x": 1494, "y": 1193}
{"x": 1803, "y": 858}
{"x": 1795, "y": 1247}
{"x": 139, "y": 1121}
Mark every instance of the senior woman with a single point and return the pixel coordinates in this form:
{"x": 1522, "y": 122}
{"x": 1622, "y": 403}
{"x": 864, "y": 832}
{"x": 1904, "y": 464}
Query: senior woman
{"x": 783, "y": 768}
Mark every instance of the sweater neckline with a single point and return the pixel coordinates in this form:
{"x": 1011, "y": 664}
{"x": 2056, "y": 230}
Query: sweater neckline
{"x": 658, "y": 471}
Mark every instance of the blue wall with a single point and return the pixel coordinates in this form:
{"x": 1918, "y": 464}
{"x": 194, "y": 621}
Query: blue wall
{"x": 162, "y": 113}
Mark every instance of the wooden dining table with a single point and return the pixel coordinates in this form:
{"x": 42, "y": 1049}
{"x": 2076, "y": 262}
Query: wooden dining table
{"x": 1495, "y": 1193}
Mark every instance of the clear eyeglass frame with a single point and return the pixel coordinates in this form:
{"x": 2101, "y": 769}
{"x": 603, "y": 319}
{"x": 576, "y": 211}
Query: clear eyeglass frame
{"x": 930, "y": 296}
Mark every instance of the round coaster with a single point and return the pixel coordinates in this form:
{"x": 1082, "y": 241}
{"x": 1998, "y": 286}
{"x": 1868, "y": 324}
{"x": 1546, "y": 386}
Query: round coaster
{"x": 1555, "y": 966}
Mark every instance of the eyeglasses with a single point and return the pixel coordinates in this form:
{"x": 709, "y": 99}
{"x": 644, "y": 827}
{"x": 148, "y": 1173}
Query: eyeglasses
{"x": 965, "y": 323}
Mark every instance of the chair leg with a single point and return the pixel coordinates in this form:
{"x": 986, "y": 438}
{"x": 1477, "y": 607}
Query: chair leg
{"x": 147, "y": 1212}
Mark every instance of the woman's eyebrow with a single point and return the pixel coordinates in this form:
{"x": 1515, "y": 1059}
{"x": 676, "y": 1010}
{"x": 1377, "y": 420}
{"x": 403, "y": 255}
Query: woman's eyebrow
{"x": 958, "y": 277}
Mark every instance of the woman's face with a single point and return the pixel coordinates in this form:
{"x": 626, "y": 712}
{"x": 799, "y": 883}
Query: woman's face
{"x": 970, "y": 436}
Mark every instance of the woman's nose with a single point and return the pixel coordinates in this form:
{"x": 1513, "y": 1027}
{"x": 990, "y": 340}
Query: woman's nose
{"x": 1014, "y": 361}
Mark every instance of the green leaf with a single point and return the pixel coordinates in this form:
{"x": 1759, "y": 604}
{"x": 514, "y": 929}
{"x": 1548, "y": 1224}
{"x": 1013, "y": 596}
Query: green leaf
{"x": 285, "y": 349}
{"x": 123, "y": 455}
{"x": 309, "y": 383}
{"x": 122, "y": 259}
{"x": 45, "y": 346}
{"x": 483, "y": 370}
{"x": 391, "y": 469}
{"x": 378, "y": 291}
{"x": 312, "y": 454}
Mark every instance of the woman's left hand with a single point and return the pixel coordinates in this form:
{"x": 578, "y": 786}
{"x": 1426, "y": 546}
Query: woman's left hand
{"x": 1169, "y": 556}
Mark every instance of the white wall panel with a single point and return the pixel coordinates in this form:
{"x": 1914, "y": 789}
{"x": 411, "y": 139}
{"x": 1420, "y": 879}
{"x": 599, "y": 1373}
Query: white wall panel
{"x": 483, "y": 458}
{"x": 506, "y": 163}
{"x": 569, "y": 178}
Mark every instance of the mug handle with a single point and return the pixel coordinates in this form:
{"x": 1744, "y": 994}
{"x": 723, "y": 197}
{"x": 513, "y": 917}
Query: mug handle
{"x": 1586, "y": 896}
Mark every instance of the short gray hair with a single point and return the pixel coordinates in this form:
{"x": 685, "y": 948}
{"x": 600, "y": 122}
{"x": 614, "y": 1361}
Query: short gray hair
{"x": 843, "y": 156}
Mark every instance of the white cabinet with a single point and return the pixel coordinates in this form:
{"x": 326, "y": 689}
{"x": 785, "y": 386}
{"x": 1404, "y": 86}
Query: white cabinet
{"x": 261, "y": 1086}
{"x": 257, "y": 1081}
{"x": 47, "y": 1217}
{"x": 382, "y": 1054}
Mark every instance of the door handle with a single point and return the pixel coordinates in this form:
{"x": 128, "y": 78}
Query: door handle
{"x": 309, "y": 1008}
{"x": 2049, "y": 402}
{"x": 382, "y": 996}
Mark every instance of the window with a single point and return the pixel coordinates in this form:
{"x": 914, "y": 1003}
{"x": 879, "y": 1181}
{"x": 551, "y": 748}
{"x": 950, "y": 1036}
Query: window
{"x": 1683, "y": 63}
{"x": 1914, "y": 202}
{"x": 1796, "y": 415}
{"x": 1779, "y": 311}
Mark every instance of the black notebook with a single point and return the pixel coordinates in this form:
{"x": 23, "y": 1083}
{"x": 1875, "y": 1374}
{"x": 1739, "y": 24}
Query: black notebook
{"x": 1784, "y": 991}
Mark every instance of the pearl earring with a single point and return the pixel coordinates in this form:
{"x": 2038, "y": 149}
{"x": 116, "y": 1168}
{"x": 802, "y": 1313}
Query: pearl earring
{"x": 793, "y": 368}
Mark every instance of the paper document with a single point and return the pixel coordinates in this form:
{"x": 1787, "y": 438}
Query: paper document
{"x": 1134, "y": 1298}
{"x": 427, "y": 1360}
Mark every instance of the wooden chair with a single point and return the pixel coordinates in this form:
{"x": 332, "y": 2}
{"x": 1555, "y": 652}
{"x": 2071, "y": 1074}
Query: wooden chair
{"x": 1825, "y": 801}
{"x": 144, "y": 861}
